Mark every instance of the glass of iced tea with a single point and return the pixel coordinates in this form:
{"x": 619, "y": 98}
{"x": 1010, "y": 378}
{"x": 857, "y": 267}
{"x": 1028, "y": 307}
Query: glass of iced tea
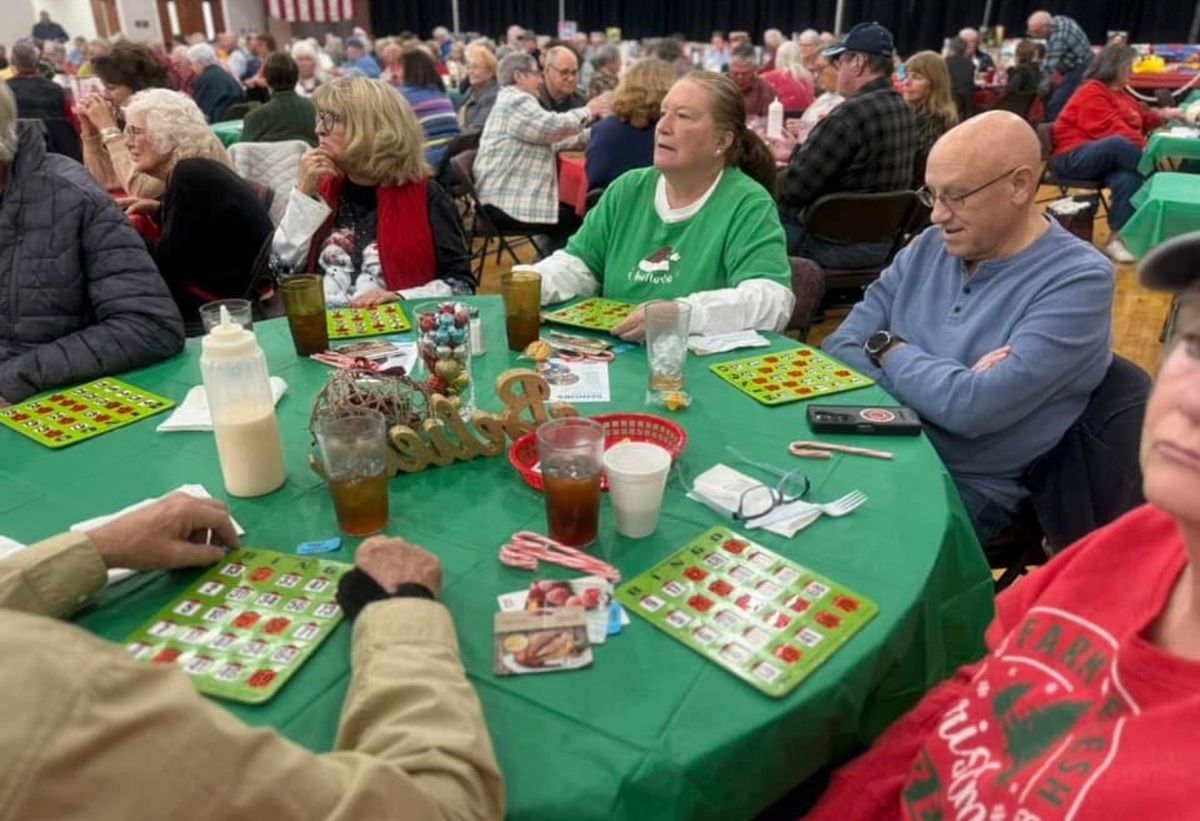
{"x": 667, "y": 324}
{"x": 353, "y": 450}
{"x": 304, "y": 303}
{"x": 571, "y": 452}
{"x": 521, "y": 289}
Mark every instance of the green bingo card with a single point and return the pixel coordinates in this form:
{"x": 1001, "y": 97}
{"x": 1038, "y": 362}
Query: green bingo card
{"x": 350, "y": 323}
{"x": 596, "y": 314}
{"x": 74, "y": 414}
{"x": 789, "y": 376}
{"x": 243, "y": 628}
{"x": 762, "y": 617}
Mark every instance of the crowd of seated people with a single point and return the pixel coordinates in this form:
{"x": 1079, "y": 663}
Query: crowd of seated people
{"x": 994, "y": 323}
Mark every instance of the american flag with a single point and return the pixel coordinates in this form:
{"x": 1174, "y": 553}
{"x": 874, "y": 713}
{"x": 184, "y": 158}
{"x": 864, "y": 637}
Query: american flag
{"x": 311, "y": 11}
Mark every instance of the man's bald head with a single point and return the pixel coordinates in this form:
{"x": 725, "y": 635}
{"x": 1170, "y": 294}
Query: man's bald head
{"x": 985, "y": 174}
{"x": 1039, "y": 24}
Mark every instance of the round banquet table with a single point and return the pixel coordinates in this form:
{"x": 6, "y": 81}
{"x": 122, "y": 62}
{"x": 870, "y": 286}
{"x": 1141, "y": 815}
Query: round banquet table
{"x": 651, "y": 730}
{"x": 572, "y": 181}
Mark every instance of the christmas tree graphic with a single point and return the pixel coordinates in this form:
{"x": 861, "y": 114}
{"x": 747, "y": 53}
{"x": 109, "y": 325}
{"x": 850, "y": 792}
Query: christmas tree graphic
{"x": 1030, "y": 735}
{"x": 925, "y": 785}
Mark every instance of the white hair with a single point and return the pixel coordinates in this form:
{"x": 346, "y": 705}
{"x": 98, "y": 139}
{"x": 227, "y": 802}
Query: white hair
{"x": 441, "y": 31}
{"x": 968, "y": 33}
{"x": 174, "y": 123}
{"x": 202, "y": 54}
{"x": 788, "y": 58}
{"x": 809, "y": 36}
{"x": 772, "y": 37}
{"x": 303, "y": 48}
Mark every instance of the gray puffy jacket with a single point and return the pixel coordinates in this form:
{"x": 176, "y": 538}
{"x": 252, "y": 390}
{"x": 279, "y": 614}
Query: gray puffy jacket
{"x": 79, "y": 295}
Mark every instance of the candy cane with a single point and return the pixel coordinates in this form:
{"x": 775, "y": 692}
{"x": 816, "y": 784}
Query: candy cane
{"x": 525, "y": 549}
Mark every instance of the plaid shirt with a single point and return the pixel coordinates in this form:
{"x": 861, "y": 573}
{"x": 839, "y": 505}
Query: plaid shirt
{"x": 515, "y": 169}
{"x": 866, "y": 144}
{"x": 1067, "y": 47}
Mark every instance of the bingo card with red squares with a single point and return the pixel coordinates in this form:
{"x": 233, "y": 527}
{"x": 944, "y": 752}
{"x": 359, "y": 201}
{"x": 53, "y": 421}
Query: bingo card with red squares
{"x": 789, "y": 376}
{"x": 243, "y": 628}
{"x": 71, "y": 415}
{"x": 351, "y": 323}
{"x": 762, "y": 617}
{"x": 597, "y": 314}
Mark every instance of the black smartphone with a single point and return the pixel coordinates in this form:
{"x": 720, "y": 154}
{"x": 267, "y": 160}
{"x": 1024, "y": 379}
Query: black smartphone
{"x": 897, "y": 421}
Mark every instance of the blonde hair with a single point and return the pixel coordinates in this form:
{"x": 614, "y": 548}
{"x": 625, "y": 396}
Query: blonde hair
{"x": 939, "y": 102}
{"x": 485, "y": 56}
{"x": 788, "y": 58}
{"x": 384, "y": 141}
{"x": 639, "y": 95}
{"x": 176, "y": 126}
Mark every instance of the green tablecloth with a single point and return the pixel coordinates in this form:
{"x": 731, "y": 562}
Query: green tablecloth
{"x": 1163, "y": 145}
{"x": 228, "y": 132}
{"x": 651, "y": 730}
{"x": 1192, "y": 97}
{"x": 1167, "y": 205}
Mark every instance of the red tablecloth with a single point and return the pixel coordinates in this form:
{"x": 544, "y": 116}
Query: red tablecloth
{"x": 1166, "y": 79}
{"x": 572, "y": 182}
{"x": 986, "y": 96}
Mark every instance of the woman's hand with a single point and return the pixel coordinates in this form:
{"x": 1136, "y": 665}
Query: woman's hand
{"x": 633, "y": 329}
{"x": 373, "y": 298}
{"x": 315, "y": 165}
{"x": 137, "y": 205}
{"x": 782, "y": 147}
{"x": 97, "y": 111}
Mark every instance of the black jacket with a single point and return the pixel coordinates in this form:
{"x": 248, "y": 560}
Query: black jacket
{"x": 212, "y": 229}
{"x": 42, "y": 99}
{"x": 79, "y": 296}
{"x": 215, "y": 91}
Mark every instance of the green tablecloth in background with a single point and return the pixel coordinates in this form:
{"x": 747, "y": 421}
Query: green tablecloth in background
{"x": 1163, "y": 145}
{"x": 228, "y": 132}
{"x": 1192, "y": 97}
{"x": 1167, "y": 205}
{"x": 652, "y": 730}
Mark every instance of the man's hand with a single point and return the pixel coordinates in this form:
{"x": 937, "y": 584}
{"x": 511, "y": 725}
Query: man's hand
{"x": 393, "y": 562}
{"x": 1171, "y": 113}
{"x": 137, "y": 205}
{"x": 992, "y": 359}
{"x": 373, "y": 298}
{"x": 633, "y": 329}
{"x": 315, "y": 165}
{"x": 601, "y": 106}
{"x": 168, "y": 534}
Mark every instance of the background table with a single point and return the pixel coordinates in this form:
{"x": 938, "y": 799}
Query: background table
{"x": 1163, "y": 145}
{"x": 228, "y": 132}
{"x": 652, "y": 730}
{"x": 1167, "y": 205}
{"x": 572, "y": 181}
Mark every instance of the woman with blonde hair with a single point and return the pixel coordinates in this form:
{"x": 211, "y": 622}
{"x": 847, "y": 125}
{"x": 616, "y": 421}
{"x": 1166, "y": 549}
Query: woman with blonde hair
{"x": 365, "y": 213}
{"x": 927, "y": 92}
{"x": 793, "y": 83}
{"x": 625, "y": 139}
{"x": 699, "y": 226}
{"x": 482, "y": 89}
{"x": 211, "y": 225}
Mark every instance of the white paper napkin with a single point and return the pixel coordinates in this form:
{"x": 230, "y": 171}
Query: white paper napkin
{"x": 703, "y": 345}
{"x": 192, "y": 413}
{"x": 721, "y": 488}
{"x": 116, "y": 574}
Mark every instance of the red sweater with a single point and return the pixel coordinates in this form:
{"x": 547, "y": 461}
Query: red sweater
{"x": 1071, "y": 714}
{"x": 1095, "y": 111}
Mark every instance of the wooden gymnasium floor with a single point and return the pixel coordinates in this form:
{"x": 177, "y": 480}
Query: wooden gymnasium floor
{"x": 1138, "y": 314}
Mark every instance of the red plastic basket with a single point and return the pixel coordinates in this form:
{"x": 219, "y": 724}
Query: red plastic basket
{"x": 618, "y": 427}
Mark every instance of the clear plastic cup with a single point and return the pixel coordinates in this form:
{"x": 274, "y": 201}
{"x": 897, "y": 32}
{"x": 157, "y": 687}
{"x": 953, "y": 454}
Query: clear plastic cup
{"x": 667, "y": 325}
{"x": 240, "y": 313}
{"x": 571, "y": 453}
{"x": 353, "y": 450}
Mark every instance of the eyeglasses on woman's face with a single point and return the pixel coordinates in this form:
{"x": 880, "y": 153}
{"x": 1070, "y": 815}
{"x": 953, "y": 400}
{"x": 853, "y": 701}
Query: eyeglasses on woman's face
{"x": 327, "y": 120}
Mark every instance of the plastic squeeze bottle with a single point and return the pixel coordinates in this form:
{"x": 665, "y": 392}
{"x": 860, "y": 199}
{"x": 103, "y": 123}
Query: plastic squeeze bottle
{"x": 243, "y": 415}
{"x": 775, "y": 119}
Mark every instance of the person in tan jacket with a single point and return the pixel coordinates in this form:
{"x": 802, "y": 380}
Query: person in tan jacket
{"x": 88, "y": 732}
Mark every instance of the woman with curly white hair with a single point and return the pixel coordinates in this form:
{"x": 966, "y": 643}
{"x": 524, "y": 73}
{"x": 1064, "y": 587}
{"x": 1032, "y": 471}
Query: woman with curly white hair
{"x": 211, "y": 223}
{"x": 312, "y": 71}
{"x": 793, "y": 83}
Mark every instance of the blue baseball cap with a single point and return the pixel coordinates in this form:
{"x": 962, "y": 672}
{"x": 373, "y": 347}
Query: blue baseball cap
{"x": 866, "y": 38}
{"x": 1174, "y": 265}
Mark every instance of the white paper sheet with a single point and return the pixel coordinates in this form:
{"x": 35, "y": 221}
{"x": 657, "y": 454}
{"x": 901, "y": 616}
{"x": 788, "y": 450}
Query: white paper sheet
{"x": 192, "y": 413}
{"x": 703, "y": 345}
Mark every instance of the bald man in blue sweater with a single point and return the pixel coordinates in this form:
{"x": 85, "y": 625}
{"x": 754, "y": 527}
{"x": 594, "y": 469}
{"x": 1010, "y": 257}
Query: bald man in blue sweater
{"x": 995, "y": 324}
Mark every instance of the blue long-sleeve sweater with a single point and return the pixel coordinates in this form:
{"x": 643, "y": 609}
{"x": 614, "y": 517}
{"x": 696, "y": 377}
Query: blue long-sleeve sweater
{"x": 1052, "y": 302}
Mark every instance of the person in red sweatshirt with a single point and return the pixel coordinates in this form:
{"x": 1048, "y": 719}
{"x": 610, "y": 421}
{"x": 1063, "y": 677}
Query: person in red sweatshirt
{"x": 1087, "y": 703}
{"x": 1100, "y": 135}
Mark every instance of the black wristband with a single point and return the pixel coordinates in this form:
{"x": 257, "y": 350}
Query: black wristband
{"x": 358, "y": 589}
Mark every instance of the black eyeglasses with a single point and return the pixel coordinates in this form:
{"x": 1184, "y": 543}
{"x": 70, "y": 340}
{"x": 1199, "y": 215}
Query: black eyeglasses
{"x": 757, "y": 501}
{"x": 928, "y": 196}
{"x": 327, "y": 120}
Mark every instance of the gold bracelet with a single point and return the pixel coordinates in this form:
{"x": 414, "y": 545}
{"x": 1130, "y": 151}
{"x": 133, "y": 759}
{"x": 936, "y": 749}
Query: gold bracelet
{"x": 109, "y": 133}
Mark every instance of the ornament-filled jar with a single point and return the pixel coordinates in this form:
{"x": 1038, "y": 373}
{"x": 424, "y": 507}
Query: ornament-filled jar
{"x": 444, "y": 345}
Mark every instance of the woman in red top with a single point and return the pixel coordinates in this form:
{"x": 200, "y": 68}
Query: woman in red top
{"x": 793, "y": 83}
{"x": 1087, "y": 703}
{"x": 1100, "y": 135}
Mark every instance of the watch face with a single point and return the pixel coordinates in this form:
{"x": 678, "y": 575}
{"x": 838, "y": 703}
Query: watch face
{"x": 877, "y": 341}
